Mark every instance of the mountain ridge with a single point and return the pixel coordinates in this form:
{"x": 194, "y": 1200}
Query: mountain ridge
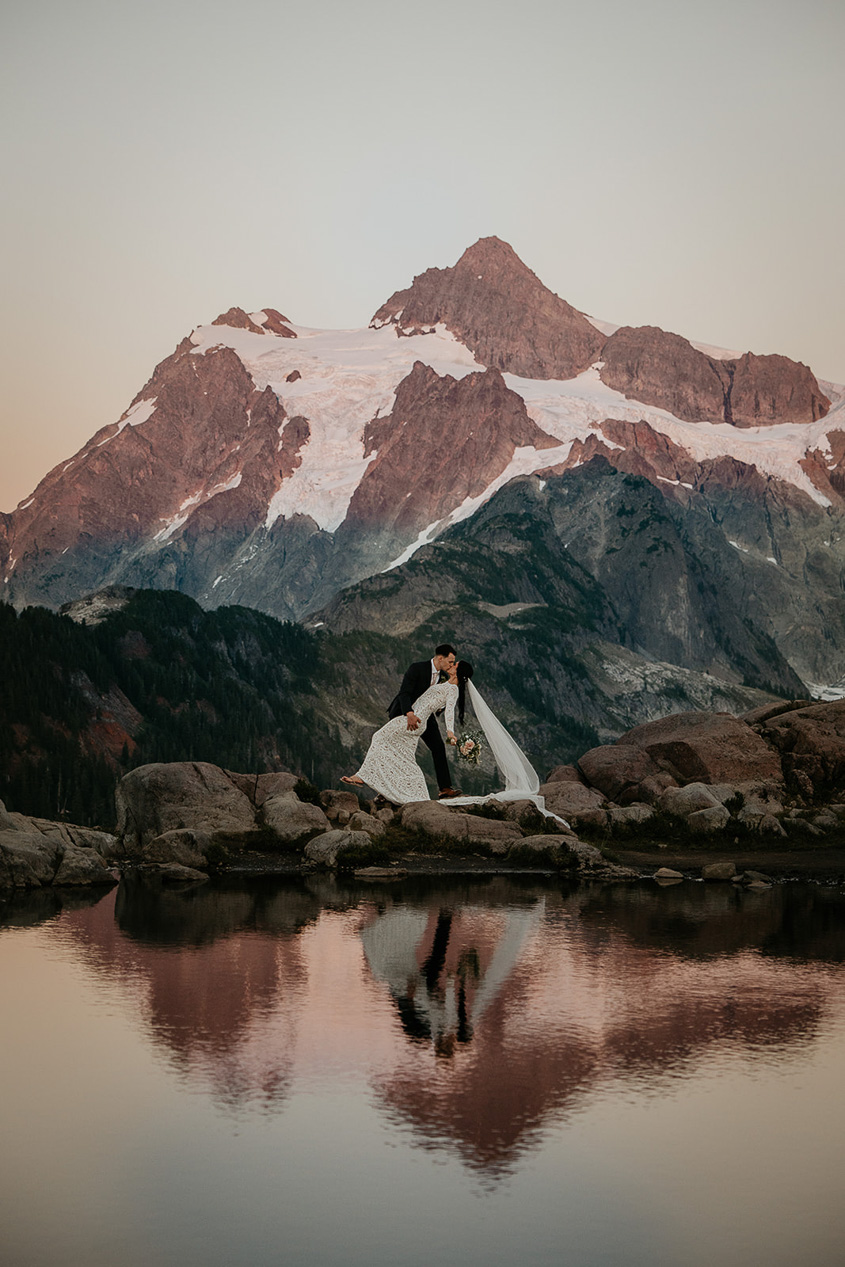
{"x": 272, "y": 466}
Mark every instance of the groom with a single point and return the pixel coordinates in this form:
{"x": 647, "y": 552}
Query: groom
{"x": 418, "y": 678}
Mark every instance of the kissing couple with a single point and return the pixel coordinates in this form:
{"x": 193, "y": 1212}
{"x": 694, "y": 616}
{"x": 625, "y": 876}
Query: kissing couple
{"x": 441, "y": 684}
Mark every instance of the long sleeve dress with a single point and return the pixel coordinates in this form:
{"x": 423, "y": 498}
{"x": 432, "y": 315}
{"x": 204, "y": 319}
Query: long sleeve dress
{"x": 390, "y": 766}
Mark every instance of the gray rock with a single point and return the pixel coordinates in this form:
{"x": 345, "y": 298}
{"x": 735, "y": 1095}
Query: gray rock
{"x": 756, "y": 806}
{"x": 769, "y": 826}
{"x": 83, "y": 866}
{"x": 359, "y": 821}
{"x": 705, "y": 821}
{"x": 434, "y": 817}
{"x": 292, "y": 820}
{"x": 177, "y": 874}
{"x": 183, "y": 846}
{"x": 323, "y": 850}
{"x": 616, "y": 769}
{"x": 157, "y": 798}
{"x": 497, "y": 835}
{"x": 28, "y": 860}
{"x": 7, "y": 822}
{"x": 755, "y": 877}
{"x": 630, "y": 815}
{"x": 825, "y": 821}
{"x": 336, "y": 802}
{"x": 684, "y": 801}
{"x": 667, "y": 873}
{"x": 652, "y": 788}
{"x": 526, "y": 814}
{"x": 564, "y": 774}
{"x": 718, "y": 871}
{"x": 575, "y": 802}
{"x": 260, "y": 787}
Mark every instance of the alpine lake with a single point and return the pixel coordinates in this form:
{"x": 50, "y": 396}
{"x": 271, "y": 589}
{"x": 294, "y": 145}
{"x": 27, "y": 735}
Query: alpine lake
{"x": 434, "y": 1070}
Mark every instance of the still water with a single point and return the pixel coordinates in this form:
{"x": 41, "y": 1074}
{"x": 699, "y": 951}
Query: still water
{"x": 437, "y": 1072}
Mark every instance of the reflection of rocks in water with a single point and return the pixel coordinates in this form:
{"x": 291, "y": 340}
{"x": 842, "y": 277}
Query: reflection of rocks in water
{"x": 150, "y": 912}
{"x": 703, "y": 920}
{"x": 479, "y": 1011}
{"x": 211, "y": 965}
{"x": 29, "y": 907}
{"x": 586, "y": 997}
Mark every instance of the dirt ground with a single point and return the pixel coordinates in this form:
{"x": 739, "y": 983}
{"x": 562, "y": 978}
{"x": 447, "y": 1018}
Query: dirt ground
{"x": 811, "y": 863}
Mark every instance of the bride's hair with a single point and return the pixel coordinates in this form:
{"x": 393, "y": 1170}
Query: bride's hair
{"x": 465, "y": 672}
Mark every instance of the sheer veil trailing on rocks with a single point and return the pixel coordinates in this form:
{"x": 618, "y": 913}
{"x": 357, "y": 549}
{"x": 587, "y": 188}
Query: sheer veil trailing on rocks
{"x": 521, "y": 779}
{"x": 522, "y": 782}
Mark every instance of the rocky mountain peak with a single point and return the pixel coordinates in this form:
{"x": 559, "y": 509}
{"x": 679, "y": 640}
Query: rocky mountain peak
{"x": 237, "y": 319}
{"x": 268, "y": 320}
{"x": 501, "y": 311}
{"x": 651, "y": 365}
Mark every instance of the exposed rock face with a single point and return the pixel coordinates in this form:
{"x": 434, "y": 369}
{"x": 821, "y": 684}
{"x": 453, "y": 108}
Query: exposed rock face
{"x": 291, "y": 820}
{"x": 811, "y": 743}
{"x": 769, "y": 389}
{"x": 658, "y": 368}
{"x": 445, "y": 440}
{"x": 501, "y": 311}
{"x": 617, "y": 770}
{"x": 162, "y": 797}
{"x": 35, "y": 853}
{"x": 325, "y": 849}
{"x": 707, "y": 748}
{"x": 208, "y": 452}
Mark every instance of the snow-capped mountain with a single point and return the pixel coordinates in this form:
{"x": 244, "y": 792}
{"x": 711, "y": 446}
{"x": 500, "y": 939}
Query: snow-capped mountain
{"x": 271, "y": 465}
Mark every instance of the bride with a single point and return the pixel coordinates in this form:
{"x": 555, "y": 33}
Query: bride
{"x": 390, "y": 765}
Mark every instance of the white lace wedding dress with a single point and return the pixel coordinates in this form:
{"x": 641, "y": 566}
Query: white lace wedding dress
{"x": 390, "y": 766}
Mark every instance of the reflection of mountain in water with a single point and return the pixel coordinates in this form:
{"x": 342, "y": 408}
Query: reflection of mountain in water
{"x": 478, "y": 1012}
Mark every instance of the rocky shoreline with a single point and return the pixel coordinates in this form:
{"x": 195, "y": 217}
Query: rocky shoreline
{"x": 703, "y": 795}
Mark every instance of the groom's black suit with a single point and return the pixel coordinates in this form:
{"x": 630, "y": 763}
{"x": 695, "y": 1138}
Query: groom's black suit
{"x": 416, "y": 680}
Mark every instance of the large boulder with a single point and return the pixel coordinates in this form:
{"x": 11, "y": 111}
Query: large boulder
{"x": 811, "y": 743}
{"x": 681, "y": 802}
{"x": 575, "y": 802}
{"x": 361, "y": 821}
{"x": 162, "y": 797}
{"x": 83, "y": 866}
{"x": 472, "y": 829}
{"x": 182, "y": 846}
{"x": 707, "y": 748}
{"x": 35, "y": 852}
{"x": 28, "y": 859}
{"x": 337, "y": 803}
{"x": 617, "y": 770}
{"x": 324, "y": 850}
{"x": 292, "y": 820}
{"x": 259, "y": 787}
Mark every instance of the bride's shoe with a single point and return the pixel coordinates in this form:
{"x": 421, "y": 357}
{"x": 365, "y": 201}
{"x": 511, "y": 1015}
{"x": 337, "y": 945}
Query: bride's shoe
{"x": 349, "y": 778}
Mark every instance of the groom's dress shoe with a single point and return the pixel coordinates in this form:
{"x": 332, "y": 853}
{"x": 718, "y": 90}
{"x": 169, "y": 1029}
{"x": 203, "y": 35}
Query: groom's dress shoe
{"x": 446, "y": 793}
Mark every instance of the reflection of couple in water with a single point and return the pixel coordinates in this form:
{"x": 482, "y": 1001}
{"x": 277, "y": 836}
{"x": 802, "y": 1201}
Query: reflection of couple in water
{"x": 442, "y": 684}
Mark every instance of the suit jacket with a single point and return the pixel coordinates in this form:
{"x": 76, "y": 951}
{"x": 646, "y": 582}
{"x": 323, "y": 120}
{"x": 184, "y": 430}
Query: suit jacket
{"x": 416, "y": 680}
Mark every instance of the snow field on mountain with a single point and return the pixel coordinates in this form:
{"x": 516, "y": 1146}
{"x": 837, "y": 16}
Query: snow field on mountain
{"x": 349, "y": 377}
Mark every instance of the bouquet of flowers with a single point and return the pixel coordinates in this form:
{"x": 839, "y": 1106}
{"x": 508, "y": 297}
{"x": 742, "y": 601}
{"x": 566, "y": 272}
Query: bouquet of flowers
{"x": 470, "y": 746}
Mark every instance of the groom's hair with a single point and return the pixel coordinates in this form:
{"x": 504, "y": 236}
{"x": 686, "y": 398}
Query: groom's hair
{"x": 445, "y": 648}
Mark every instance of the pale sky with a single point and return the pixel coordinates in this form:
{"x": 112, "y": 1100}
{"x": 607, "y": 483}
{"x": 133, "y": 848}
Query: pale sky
{"x": 663, "y": 162}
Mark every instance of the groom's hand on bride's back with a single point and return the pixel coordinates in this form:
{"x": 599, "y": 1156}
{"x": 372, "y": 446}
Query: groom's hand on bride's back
{"x": 413, "y": 720}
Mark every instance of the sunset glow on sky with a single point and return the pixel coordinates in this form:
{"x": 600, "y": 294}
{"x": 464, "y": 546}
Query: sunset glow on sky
{"x": 666, "y": 163}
